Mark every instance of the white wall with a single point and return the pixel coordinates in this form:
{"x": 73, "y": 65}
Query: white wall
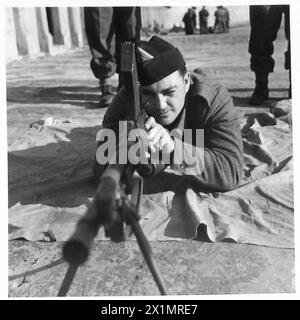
{"x": 169, "y": 16}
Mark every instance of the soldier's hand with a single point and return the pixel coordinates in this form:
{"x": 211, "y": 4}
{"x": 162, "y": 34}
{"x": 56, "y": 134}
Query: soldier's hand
{"x": 158, "y": 137}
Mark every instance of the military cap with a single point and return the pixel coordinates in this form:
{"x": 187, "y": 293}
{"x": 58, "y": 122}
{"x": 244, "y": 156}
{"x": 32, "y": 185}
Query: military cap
{"x": 157, "y": 58}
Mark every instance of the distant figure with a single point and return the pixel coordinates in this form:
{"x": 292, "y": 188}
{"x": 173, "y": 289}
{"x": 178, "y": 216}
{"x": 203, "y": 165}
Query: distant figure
{"x": 265, "y": 22}
{"x": 203, "y": 17}
{"x": 220, "y": 20}
{"x": 189, "y": 20}
{"x": 227, "y": 19}
{"x": 210, "y": 30}
{"x": 156, "y": 27}
{"x": 194, "y": 17}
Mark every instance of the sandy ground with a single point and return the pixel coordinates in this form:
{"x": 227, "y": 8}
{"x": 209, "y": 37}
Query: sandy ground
{"x": 63, "y": 87}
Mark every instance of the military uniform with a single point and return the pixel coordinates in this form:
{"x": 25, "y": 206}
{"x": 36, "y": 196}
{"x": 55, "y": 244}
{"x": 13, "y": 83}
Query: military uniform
{"x": 100, "y": 25}
{"x": 207, "y": 106}
{"x": 265, "y": 22}
{"x": 189, "y": 20}
{"x": 220, "y": 20}
{"x": 227, "y": 19}
{"x": 203, "y": 17}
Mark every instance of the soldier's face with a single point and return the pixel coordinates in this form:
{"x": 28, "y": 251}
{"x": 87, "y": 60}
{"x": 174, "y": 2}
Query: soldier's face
{"x": 165, "y": 99}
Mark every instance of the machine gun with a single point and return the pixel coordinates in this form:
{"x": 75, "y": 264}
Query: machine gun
{"x": 111, "y": 207}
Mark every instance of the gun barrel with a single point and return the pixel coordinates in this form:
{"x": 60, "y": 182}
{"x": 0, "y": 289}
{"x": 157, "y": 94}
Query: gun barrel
{"x": 101, "y": 211}
{"x": 76, "y": 249}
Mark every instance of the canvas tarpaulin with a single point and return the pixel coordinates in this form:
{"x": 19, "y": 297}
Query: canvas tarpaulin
{"x": 50, "y": 187}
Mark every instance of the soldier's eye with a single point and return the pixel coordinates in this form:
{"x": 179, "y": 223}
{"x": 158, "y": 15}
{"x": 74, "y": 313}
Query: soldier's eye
{"x": 170, "y": 93}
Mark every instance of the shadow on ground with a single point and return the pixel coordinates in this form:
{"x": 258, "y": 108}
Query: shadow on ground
{"x": 60, "y": 173}
{"x": 57, "y": 173}
{"x": 241, "y": 101}
{"x": 82, "y": 96}
{"x": 88, "y": 97}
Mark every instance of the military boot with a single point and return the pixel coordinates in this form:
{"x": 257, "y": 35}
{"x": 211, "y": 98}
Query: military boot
{"x": 260, "y": 94}
{"x": 107, "y": 94}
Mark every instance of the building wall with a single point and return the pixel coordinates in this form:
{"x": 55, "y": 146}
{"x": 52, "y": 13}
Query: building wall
{"x": 169, "y": 16}
{"x": 38, "y": 31}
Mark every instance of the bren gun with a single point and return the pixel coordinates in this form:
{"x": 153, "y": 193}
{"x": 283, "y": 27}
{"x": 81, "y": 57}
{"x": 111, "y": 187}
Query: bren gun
{"x": 111, "y": 207}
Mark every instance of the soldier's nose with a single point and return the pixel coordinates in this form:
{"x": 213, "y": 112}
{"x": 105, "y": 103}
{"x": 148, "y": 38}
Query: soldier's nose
{"x": 162, "y": 101}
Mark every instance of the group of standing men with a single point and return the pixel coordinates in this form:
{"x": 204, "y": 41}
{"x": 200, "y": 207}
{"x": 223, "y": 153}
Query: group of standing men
{"x": 221, "y": 20}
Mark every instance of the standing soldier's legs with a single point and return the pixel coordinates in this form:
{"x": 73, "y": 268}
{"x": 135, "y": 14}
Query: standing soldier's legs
{"x": 102, "y": 63}
{"x": 127, "y": 23}
{"x": 189, "y": 29}
{"x": 223, "y": 25}
{"x": 275, "y": 14}
{"x": 287, "y": 62}
{"x": 218, "y": 26}
{"x": 226, "y": 25}
{"x": 215, "y": 26}
{"x": 205, "y": 27}
{"x": 265, "y": 23}
{"x": 286, "y": 11}
{"x": 260, "y": 60}
{"x": 260, "y": 49}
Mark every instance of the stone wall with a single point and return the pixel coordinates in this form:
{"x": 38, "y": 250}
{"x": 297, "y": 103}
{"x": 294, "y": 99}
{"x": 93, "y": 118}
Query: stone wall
{"x": 52, "y": 30}
{"x": 39, "y": 30}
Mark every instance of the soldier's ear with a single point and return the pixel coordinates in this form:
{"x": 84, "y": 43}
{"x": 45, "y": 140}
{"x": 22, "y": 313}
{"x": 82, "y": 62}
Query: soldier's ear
{"x": 187, "y": 81}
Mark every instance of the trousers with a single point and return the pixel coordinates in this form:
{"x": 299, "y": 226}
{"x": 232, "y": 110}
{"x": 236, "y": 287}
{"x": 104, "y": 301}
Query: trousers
{"x": 102, "y": 24}
{"x": 265, "y": 22}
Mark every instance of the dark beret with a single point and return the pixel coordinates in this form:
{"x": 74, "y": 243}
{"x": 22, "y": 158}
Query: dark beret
{"x": 157, "y": 58}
